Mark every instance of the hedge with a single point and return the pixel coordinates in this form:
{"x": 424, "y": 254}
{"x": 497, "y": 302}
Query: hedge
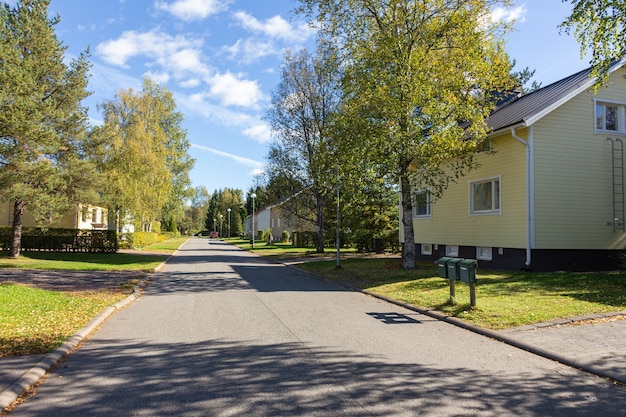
{"x": 68, "y": 240}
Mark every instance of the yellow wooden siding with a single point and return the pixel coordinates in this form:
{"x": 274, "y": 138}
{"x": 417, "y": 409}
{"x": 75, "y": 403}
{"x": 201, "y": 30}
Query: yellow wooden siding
{"x": 573, "y": 188}
{"x": 451, "y": 223}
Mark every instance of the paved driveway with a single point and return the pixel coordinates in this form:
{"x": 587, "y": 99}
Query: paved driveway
{"x": 221, "y": 332}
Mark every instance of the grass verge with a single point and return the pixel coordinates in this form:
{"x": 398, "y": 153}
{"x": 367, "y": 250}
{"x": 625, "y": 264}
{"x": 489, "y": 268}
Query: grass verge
{"x": 503, "y": 299}
{"x": 283, "y": 250}
{"x": 34, "y": 320}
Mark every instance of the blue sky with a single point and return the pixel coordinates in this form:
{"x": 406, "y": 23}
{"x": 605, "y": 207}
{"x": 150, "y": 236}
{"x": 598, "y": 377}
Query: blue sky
{"x": 221, "y": 59}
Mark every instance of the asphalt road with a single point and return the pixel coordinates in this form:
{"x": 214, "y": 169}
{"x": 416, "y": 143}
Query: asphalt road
{"x": 221, "y": 332}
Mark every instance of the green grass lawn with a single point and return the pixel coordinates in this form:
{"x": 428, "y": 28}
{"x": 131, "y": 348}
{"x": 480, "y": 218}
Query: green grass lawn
{"x": 283, "y": 250}
{"x": 34, "y": 320}
{"x": 503, "y": 299}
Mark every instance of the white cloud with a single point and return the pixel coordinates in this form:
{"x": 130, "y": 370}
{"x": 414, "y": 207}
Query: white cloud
{"x": 250, "y": 50}
{"x": 509, "y": 15}
{"x": 158, "y": 77}
{"x": 239, "y": 159}
{"x": 231, "y": 90}
{"x": 259, "y": 132}
{"x": 188, "y": 10}
{"x": 153, "y": 44}
{"x": 275, "y": 27}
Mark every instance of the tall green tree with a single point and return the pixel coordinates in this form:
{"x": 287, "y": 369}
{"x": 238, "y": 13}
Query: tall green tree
{"x": 301, "y": 117}
{"x": 217, "y": 213}
{"x": 420, "y": 77}
{"x": 600, "y": 28}
{"x": 42, "y": 121}
{"x": 143, "y": 154}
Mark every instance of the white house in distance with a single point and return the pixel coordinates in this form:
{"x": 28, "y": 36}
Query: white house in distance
{"x": 552, "y": 195}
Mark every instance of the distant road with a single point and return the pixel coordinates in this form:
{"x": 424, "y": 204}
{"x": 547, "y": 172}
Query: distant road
{"x": 222, "y": 332}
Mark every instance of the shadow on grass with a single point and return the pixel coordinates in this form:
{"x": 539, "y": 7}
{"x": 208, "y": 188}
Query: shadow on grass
{"x": 118, "y": 260}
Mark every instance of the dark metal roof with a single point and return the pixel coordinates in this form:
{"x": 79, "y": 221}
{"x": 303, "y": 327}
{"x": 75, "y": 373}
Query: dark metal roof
{"x": 525, "y": 110}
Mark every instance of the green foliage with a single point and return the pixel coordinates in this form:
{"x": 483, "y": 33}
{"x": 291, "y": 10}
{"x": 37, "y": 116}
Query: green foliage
{"x": 142, "y": 150}
{"x": 42, "y": 122}
{"x": 139, "y": 240}
{"x": 418, "y": 86}
{"x": 301, "y": 116}
{"x": 600, "y": 27}
{"x": 56, "y": 239}
{"x": 217, "y": 214}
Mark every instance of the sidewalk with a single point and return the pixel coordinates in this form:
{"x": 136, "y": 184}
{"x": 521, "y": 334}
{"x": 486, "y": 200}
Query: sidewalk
{"x": 593, "y": 344}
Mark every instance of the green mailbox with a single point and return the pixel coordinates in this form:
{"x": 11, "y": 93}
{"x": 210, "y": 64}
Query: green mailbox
{"x": 442, "y": 266}
{"x": 453, "y": 268}
{"x": 467, "y": 270}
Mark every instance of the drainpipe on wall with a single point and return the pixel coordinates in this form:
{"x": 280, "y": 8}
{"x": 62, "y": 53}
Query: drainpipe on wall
{"x": 529, "y": 193}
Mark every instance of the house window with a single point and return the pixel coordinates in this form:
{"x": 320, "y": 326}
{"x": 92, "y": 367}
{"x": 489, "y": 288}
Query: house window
{"x": 610, "y": 117}
{"x": 422, "y": 202}
{"x": 485, "y": 197}
{"x": 94, "y": 216}
{"x": 84, "y": 213}
{"x": 484, "y": 254}
{"x": 452, "y": 250}
{"x": 427, "y": 249}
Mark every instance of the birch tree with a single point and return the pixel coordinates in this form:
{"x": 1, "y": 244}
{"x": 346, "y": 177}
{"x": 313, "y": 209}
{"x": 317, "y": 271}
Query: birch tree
{"x": 418, "y": 86}
{"x": 303, "y": 106}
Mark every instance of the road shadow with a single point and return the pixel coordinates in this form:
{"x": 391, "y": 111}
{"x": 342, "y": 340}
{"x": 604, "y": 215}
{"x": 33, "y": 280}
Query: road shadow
{"x": 221, "y": 377}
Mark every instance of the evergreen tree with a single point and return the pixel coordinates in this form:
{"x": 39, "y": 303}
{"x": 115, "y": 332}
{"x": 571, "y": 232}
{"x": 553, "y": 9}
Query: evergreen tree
{"x": 42, "y": 122}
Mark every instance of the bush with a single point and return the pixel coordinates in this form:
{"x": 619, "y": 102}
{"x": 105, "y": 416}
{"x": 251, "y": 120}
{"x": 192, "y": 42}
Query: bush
{"x": 142, "y": 239}
{"x": 284, "y": 237}
{"x": 53, "y": 239}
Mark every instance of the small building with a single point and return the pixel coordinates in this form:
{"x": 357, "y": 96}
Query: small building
{"x": 84, "y": 216}
{"x": 551, "y": 196}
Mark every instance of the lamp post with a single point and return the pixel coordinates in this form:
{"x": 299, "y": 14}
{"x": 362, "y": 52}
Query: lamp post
{"x": 214, "y": 229}
{"x": 221, "y": 222}
{"x": 253, "y": 197}
{"x": 228, "y": 223}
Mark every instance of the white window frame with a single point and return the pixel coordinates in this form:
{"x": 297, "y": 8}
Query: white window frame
{"x": 484, "y": 253}
{"x": 429, "y": 204}
{"x": 452, "y": 250}
{"x": 493, "y": 210}
{"x": 621, "y": 116}
{"x": 426, "y": 249}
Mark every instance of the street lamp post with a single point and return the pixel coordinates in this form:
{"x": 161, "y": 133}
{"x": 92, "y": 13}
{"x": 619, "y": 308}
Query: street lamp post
{"x": 221, "y": 222}
{"x": 214, "y": 229}
{"x": 228, "y": 223}
{"x": 253, "y": 197}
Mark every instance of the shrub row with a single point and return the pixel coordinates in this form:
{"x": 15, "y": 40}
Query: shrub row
{"x": 70, "y": 240}
{"x": 138, "y": 240}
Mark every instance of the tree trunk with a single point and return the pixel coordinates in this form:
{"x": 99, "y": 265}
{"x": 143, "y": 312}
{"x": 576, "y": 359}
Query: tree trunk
{"x": 117, "y": 220}
{"x": 16, "y": 231}
{"x": 319, "y": 244}
{"x": 408, "y": 248}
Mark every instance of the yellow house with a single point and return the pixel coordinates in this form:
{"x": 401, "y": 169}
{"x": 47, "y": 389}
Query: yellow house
{"x": 551, "y": 197}
{"x": 84, "y": 216}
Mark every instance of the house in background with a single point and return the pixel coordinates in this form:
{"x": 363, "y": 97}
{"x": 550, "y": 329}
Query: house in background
{"x": 84, "y": 216}
{"x": 277, "y": 220}
{"x": 551, "y": 197}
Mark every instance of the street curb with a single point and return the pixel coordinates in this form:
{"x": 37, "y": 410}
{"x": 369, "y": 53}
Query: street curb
{"x": 34, "y": 374}
{"x": 590, "y": 369}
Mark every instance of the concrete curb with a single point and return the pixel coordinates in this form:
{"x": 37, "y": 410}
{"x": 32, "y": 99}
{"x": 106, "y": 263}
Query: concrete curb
{"x": 590, "y": 369}
{"x": 34, "y": 374}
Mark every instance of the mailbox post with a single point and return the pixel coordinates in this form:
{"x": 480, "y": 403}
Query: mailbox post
{"x": 467, "y": 272}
